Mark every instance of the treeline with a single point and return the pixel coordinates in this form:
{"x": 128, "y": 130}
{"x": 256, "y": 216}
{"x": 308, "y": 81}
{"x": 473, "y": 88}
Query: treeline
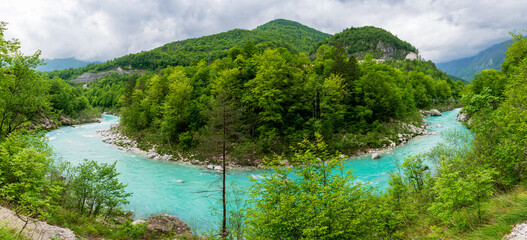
{"x": 278, "y": 97}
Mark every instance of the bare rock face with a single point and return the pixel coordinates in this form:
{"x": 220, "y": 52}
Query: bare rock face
{"x": 165, "y": 223}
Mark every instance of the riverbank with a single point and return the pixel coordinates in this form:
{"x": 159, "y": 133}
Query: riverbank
{"x": 116, "y": 137}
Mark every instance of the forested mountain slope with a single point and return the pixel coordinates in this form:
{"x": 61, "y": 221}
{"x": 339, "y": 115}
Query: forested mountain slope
{"x": 378, "y": 42}
{"x": 466, "y": 68}
{"x": 277, "y": 33}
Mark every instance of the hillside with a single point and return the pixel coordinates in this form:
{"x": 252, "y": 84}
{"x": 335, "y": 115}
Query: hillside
{"x": 283, "y": 33}
{"x": 375, "y": 41}
{"x": 466, "y": 68}
{"x": 291, "y": 35}
{"x": 62, "y": 63}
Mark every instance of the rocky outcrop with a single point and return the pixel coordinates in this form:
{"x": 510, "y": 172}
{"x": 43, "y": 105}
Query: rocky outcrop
{"x": 35, "y": 229}
{"x": 164, "y": 223}
{"x": 88, "y": 77}
{"x": 375, "y": 155}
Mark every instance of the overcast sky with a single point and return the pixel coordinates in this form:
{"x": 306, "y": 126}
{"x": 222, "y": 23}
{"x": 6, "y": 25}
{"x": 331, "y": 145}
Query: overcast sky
{"x": 442, "y": 30}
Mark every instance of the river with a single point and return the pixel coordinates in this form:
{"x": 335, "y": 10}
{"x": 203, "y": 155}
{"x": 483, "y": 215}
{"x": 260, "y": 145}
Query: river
{"x": 189, "y": 192}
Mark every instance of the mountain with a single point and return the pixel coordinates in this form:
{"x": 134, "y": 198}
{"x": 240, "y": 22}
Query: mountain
{"x": 466, "y": 68}
{"x": 278, "y": 33}
{"x": 375, "y": 41}
{"x": 62, "y": 63}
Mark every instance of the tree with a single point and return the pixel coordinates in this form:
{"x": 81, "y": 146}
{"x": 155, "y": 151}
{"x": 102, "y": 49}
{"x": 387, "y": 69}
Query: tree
{"x": 23, "y": 93}
{"x": 25, "y": 161}
{"x": 96, "y": 188}
{"x": 225, "y": 126}
{"x": 175, "y": 112}
{"x": 310, "y": 200}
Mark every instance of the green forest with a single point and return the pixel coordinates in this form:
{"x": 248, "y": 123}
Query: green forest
{"x": 289, "y": 99}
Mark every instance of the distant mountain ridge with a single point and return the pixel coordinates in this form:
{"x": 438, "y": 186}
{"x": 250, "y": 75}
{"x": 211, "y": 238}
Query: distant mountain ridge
{"x": 466, "y": 68}
{"x": 62, "y": 63}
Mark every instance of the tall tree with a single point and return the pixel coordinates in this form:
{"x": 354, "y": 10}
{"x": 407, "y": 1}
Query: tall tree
{"x": 225, "y": 126}
{"x": 23, "y": 93}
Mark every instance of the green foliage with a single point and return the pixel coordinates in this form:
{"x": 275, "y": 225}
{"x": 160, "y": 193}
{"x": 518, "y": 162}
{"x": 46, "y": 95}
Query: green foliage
{"x": 310, "y": 200}
{"x": 8, "y": 233}
{"x": 23, "y": 93}
{"x": 494, "y": 80}
{"x": 95, "y": 188}
{"x": 130, "y": 231}
{"x": 370, "y": 40}
{"x": 459, "y": 188}
{"x": 24, "y": 163}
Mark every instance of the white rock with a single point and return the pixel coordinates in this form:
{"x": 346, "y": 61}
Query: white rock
{"x": 138, "y": 221}
{"x": 218, "y": 168}
{"x": 439, "y": 126}
{"x": 375, "y": 155}
{"x": 210, "y": 167}
{"x": 434, "y": 112}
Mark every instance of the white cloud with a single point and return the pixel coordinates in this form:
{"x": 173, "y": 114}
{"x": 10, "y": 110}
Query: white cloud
{"x": 105, "y": 29}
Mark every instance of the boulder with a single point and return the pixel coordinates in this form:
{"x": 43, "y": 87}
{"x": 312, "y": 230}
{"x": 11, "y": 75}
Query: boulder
{"x": 375, "y": 155}
{"x": 218, "y": 168}
{"x": 462, "y": 117}
{"x": 66, "y": 121}
{"x": 434, "y": 112}
{"x": 165, "y": 223}
{"x": 439, "y": 126}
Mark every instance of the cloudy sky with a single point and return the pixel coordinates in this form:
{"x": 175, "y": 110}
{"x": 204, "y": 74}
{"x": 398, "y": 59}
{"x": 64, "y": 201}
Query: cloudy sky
{"x": 104, "y": 29}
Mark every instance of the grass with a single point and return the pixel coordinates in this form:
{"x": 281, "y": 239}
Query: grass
{"x": 501, "y": 213}
{"x": 8, "y": 233}
{"x": 505, "y": 211}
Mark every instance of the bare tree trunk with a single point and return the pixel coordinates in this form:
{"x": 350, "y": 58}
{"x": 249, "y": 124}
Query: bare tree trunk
{"x": 224, "y": 223}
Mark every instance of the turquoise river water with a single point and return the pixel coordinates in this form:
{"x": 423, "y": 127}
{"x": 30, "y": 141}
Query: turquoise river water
{"x": 189, "y": 191}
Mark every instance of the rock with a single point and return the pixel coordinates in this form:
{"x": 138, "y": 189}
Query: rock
{"x": 439, "y": 126}
{"x": 375, "y": 155}
{"x": 211, "y": 167}
{"x": 433, "y": 133}
{"x": 518, "y": 232}
{"x": 138, "y": 221}
{"x": 165, "y": 223}
{"x": 462, "y": 117}
{"x": 66, "y": 121}
{"x": 218, "y": 168}
{"x": 434, "y": 112}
